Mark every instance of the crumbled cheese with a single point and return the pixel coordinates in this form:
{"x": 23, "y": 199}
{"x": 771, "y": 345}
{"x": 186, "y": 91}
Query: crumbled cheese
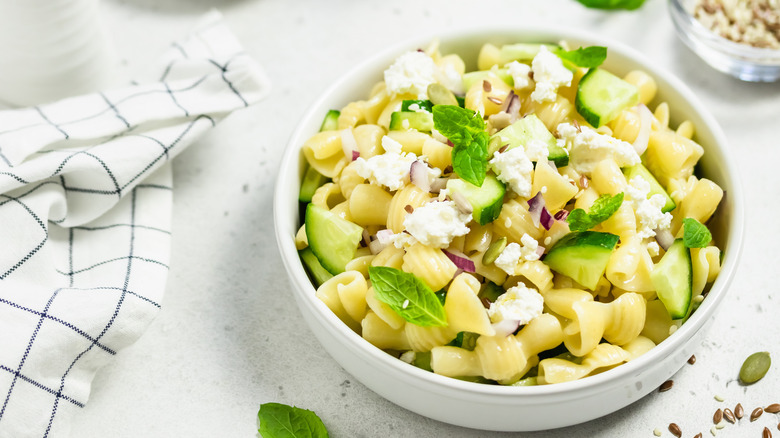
{"x": 520, "y": 74}
{"x": 402, "y": 240}
{"x": 653, "y": 249}
{"x": 515, "y": 169}
{"x": 753, "y": 22}
{"x": 587, "y": 148}
{"x": 536, "y": 150}
{"x": 435, "y": 224}
{"x": 408, "y": 356}
{"x": 549, "y": 75}
{"x": 519, "y": 303}
{"x": 648, "y": 211}
{"x": 390, "y": 169}
{"x": 514, "y": 253}
{"x": 411, "y": 73}
{"x": 450, "y": 78}
{"x": 417, "y": 108}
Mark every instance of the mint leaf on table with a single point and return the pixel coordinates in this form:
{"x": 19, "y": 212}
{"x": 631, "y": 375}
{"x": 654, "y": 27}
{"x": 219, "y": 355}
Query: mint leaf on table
{"x": 695, "y": 235}
{"x": 604, "y": 207}
{"x": 587, "y": 57}
{"x": 282, "y": 421}
{"x": 466, "y": 130}
{"x": 613, "y": 4}
{"x": 408, "y": 296}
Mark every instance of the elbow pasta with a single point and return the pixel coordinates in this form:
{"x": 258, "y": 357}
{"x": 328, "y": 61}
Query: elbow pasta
{"x": 576, "y": 331}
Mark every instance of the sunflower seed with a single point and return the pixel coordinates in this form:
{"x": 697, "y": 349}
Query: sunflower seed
{"x": 773, "y": 408}
{"x": 666, "y": 386}
{"x": 755, "y": 414}
{"x": 717, "y": 417}
{"x": 675, "y": 430}
{"x": 739, "y": 411}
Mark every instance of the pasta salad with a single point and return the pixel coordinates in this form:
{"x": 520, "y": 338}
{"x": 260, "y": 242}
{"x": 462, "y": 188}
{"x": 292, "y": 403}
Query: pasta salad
{"x": 530, "y": 222}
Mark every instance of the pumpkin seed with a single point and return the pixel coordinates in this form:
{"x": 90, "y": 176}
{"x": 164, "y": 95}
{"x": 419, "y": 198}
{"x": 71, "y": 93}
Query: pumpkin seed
{"x": 755, "y": 367}
{"x": 494, "y": 250}
{"x": 440, "y": 95}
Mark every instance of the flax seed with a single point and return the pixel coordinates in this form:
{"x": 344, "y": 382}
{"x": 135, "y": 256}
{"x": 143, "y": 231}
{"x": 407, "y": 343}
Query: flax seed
{"x": 755, "y": 414}
{"x": 409, "y": 209}
{"x": 675, "y": 430}
{"x": 718, "y": 416}
{"x": 773, "y": 408}
{"x": 729, "y": 416}
{"x": 739, "y": 411}
{"x": 692, "y": 360}
{"x": 487, "y": 86}
{"x": 666, "y": 386}
{"x": 767, "y": 433}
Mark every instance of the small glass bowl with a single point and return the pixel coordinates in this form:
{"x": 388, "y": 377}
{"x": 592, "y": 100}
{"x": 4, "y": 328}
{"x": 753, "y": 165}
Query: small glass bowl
{"x": 742, "y": 61}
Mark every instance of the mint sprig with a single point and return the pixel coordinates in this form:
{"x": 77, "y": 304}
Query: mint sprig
{"x": 613, "y": 4}
{"x": 604, "y": 207}
{"x": 695, "y": 235}
{"x": 466, "y": 130}
{"x": 281, "y": 421}
{"x": 586, "y": 57}
{"x": 408, "y": 296}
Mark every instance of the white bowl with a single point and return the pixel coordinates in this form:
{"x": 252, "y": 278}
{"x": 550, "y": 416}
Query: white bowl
{"x": 498, "y": 407}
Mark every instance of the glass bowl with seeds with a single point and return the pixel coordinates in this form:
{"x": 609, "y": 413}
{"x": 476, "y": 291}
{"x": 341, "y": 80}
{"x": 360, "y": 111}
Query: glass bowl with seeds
{"x": 737, "y": 37}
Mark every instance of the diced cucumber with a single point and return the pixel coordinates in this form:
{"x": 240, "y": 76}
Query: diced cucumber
{"x": 332, "y": 239}
{"x": 522, "y": 132}
{"x": 312, "y": 180}
{"x": 601, "y": 96}
{"x": 427, "y": 105}
{"x": 331, "y": 121}
{"x": 655, "y": 186}
{"x": 490, "y": 291}
{"x": 422, "y": 359}
{"x": 404, "y": 120}
{"x": 522, "y": 52}
{"x": 471, "y": 78}
{"x": 672, "y": 278}
{"x": 317, "y": 273}
{"x": 582, "y": 255}
{"x": 486, "y": 201}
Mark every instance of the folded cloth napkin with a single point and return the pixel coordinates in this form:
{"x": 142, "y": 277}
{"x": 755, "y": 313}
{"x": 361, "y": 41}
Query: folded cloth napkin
{"x": 85, "y": 206}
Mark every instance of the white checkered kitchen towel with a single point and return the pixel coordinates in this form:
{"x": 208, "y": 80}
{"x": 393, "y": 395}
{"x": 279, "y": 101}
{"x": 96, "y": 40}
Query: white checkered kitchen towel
{"x": 85, "y": 206}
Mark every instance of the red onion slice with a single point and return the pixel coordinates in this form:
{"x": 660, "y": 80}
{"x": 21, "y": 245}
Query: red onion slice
{"x": 355, "y": 155}
{"x": 645, "y": 123}
{"x": 460, "y": 260}
{"x": 418, "y": 174}
{"x": 349, "y": 144}
{"x": 539, "y": 213}
{"x": 506, "y": 327}
{"x": 540, "y": 251}
{"x": 546, "y": 218}
{"x": 384, "y": 236}
{"x": 664, "y": 237}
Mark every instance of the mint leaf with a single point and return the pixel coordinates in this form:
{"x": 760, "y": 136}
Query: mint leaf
{"x": 613, "y": 4}
{"x": 695, "y": 235}
{"x": 408, "y": 296}
{"x": 604, "y": 207}
{"x": 587, "y": 57}
{"x": 466, "y": 130}
{"x": 282, "y": 421}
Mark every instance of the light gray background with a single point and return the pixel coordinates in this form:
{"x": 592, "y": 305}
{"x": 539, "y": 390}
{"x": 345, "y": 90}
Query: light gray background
{"x": 230, "y": 337}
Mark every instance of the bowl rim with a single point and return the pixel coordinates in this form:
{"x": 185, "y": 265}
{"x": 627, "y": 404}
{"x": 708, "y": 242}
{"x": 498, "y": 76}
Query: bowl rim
{"x": 304, "y": 290}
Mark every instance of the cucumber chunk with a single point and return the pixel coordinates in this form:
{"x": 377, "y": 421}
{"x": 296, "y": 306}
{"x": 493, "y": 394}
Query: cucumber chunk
{"x": 331, "y": 121}
{"x": 486, "y": 201}
{"x": 427, "y": 105}
{"x": 490, "y": 291}
{"x": 471, "y": 78}
{"x": 582, "y": 255}
{"x": 404, "y": 120}
{"x": 522, "y": 52}
{"x": 312, "y": 180}
{"x": 672, "y": 278}
{"x": 601, "y": 96}
{"x": 655, "y": 186}
{"x": 317, "y": 273}
{"x": 523, "y": 131}
{"x": 332, "y": 239}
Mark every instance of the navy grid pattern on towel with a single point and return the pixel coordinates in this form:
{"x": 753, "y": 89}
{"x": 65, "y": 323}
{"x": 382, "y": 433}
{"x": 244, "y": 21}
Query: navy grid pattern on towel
{"x": 85, "y": 206}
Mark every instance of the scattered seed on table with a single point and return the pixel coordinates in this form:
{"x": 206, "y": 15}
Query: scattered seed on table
{"x": 755, "y": 367}
{"x": 698, "y": 435}
{"x": 773, "y": 408}
{"x": 729, "y": 416}
{"x": 657, "y": 432}
{"x": 714, "y": 430}
{"x": 666, "y": 386}
{"x": 755, "y": 414}
{"x": 692, "y": 359}
{"x": 675, "y": 430}
{"x": 719, "y": 397}
{"x": 767, "y": 433}
{"x": 720, "y": 425}
{"x": 718, "y": 416}
{"x": 739, "y": 411}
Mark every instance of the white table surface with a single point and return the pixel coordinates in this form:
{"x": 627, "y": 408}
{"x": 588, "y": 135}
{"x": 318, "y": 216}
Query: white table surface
{"x": 229, "y": 336}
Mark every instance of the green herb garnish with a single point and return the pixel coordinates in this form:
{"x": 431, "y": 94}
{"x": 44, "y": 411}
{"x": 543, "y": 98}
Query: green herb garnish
{"x": 466, "y": 130}
{"x": 427, "y": 105}
{"x": 695, "y": 235}
{"x": 587, "y": 57}
{"x": 408, "y": 296}
{"x": 604, "y": 207}
{"x": 282, "y": 421}
{"x": 613, "y": 4}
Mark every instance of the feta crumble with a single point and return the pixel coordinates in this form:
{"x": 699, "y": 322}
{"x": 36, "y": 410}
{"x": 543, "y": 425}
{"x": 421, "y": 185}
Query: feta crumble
{"x": 549, "y": 75}
{"x": 648, "y": 211}
{"x": 411, "y": 73}
{"x": 653, "y": 249}
{"x": 587, "y": 148}
{"x": 514, "y": 253}
{"x": 536, "y": 150}
{"x": 390, "y": 169}
{"x": 435, "y": 224}
{"x": 520, "y": 74}
{"x": 519, "y": 303}
{"x": 513, "y": 167}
